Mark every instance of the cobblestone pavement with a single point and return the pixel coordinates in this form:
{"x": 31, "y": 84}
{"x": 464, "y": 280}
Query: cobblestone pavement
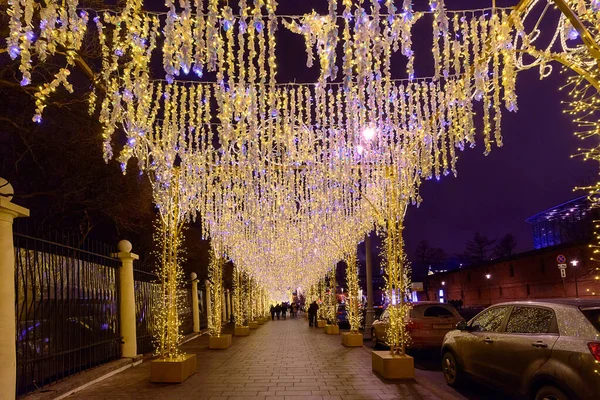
{"x": 281, "y": 360}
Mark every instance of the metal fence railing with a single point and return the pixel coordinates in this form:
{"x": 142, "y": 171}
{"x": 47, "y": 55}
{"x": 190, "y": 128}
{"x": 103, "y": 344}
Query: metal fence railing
{"x": 66, "y": 308}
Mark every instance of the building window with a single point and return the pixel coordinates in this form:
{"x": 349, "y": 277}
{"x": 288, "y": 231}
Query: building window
{"x": 528, "y": 291}
{"x": 462, "y": 294}
{"x": 512, "y": 271}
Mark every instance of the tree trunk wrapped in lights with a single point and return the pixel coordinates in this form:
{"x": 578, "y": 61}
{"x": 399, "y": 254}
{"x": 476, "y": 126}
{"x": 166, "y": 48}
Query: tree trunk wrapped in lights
{"x": 331, "y": 299}
{"x": 397, "y": 271}
{"x": 353, "y": 297}
{"x": 322, "y": 312}
{"x": 215, "y": 275}
{"x": 252, "y": 300}
{"x": 239, "y": 318}
{"x": 169, "y": 237}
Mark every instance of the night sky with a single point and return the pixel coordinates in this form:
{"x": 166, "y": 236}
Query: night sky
{"x": 492, "y": 195}
{"x": 495, "y": 194}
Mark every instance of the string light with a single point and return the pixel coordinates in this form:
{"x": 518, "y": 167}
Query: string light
{"x": 274, "y": 169}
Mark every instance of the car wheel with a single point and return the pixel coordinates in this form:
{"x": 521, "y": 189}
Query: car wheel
{"x": 374, "y": 340}
{"x": 550, "y": 393}
{"x": 452, "y": 372}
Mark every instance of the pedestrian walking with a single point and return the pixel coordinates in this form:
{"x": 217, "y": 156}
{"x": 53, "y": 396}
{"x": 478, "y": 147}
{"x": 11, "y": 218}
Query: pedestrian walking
{"x": 283, "y": 310}
{"x": 312, "y": 314}
{"x": 278, "y": 310}
{"x": 272, "y": 309}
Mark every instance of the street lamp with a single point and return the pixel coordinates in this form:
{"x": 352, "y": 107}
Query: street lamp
{"x": 489, "y": 277}
{"x": 443, "y": 283}
{"x": 574, "y": 264}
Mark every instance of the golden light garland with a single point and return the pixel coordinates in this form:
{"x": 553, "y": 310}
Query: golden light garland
{"x": 215, "y": 276}
{"x": 273, "y": 168}
{"x": 353, "y": 300}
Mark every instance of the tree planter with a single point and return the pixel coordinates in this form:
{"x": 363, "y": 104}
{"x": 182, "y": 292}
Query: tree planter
{"x": 321, "y": 323}
{"x": 390, "y": 366}
{"x": 261, "y": 321}
{"x": 173, "y": 370}
{"x": 219, "y": 342}
{"x": 241, "y": 331}
{"x": 253, "y": 325}
{"x": 332, "y": 329}
{"x": 350, "y": 339}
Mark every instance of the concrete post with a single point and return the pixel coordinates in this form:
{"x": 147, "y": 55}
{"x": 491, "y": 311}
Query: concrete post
{"x": 370, "y": 313}
{"x": 208, "y": 305}
{"x": 127, "y": 300}
{"x": 8, "y": 352}
{"x": 195, "y": 308}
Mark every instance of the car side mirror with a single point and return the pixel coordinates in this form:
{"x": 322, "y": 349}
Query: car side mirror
{"x": 462, "y": 326}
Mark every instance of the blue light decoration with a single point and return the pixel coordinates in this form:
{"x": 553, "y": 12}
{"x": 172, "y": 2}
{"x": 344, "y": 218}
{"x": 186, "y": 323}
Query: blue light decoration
{"x": 14, "y": 51}
{"x": 258, "y": 25}
{"x": 573, "y": 34}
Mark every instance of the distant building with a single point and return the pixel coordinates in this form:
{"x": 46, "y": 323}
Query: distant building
{"x": 569, "y": 222}
{"x": 566, "y": 230}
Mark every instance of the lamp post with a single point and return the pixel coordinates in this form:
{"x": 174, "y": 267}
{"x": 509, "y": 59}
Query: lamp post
{"x": 489, "y": 277}
{"x": 574, "y": 264}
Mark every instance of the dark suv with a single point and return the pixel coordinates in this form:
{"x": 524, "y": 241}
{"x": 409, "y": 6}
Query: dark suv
{"x": 543, "y": 349}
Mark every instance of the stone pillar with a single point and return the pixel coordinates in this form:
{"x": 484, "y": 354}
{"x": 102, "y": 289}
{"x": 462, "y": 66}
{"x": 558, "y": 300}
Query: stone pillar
{"x": 8, "y": 352}
{"x": 127, "y": 300}
{"x": 370, "y": 313}
{"x": 195, "y": 308}
{"x": 208, "y": 305}
{"x": 228, "y": 300}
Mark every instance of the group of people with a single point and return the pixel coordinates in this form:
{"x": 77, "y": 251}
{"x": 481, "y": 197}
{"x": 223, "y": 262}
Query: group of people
{"x": 280, "y": 310}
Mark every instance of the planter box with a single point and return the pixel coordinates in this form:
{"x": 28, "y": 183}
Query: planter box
{"x": 332, "y": 329}
{"x": 321, "y": 323}
{"x": 169, "y": 370}
{"x": 390, "y": 366}
{"x": 219, "y": 342}
{"x": 261, "y": 321}
{"x": 253, "y": 325}
{"x": 241, "y": 331}
{"x": 350, "y": 339}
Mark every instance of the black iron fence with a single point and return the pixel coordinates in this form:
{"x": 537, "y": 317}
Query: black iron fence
{"x": 66, "y": 308}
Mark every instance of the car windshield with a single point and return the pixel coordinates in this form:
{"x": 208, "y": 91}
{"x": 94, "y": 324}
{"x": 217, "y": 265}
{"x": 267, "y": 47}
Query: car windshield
{"x": 593, "y": 315}
{"x": 433, "y": 311}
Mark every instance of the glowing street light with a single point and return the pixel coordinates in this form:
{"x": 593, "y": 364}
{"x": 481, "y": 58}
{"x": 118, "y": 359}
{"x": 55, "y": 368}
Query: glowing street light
{"x": 368, "y": 133}
{"x": 443, "y": 283}
{"x": 488, "y": 276}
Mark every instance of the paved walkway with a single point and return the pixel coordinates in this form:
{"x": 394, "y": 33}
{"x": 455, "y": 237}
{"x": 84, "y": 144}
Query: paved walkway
{"x": 281, "y": 360}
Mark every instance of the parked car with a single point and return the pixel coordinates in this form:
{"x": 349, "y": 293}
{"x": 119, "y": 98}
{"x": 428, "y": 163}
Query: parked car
{"x": 342, "y": 316}
{"x": 428, "y": 323}
{"x": 543, "y": 349}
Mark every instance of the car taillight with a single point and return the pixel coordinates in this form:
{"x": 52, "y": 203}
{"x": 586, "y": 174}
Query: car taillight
{"x": 595, "y": 350}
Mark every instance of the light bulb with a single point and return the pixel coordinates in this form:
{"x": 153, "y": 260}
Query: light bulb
{"x": 369, "y": 133}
